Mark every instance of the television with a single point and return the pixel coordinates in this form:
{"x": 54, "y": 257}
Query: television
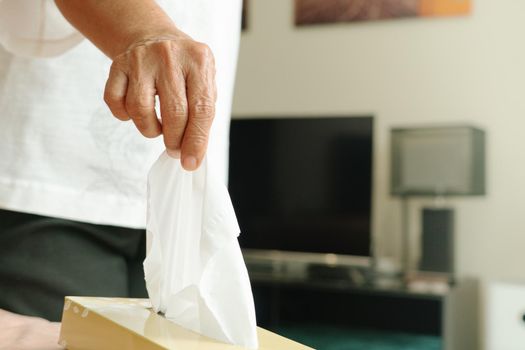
{"x": 302, "y": 185}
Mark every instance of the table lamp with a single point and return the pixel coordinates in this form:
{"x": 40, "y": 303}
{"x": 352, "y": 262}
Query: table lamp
{"x": 435, "y": 162}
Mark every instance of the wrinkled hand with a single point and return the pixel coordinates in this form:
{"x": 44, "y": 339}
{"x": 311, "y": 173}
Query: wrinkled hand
{"x": 181, "y": 72}
{"x": 19, "y": 332}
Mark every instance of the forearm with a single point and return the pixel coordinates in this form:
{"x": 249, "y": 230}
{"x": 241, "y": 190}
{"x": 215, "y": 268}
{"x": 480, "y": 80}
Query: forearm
{"x": 115, "y": 25}
{"x": 24, "y": 332}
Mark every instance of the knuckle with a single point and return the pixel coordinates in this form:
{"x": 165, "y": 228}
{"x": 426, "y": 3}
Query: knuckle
{"x": 202, "y": 53}
{"x": 204, "y": 110}
{"x": 164, "y": 47}
{"x": 172, "y": 142}
{"x": 116, "y": 106}
{"x": 165, "y": 51}
{"x": 138, "y": 107}
{"x": 176, "y": 110}
{"x": 111, "y": 98}
{"x": 145, "y": 128}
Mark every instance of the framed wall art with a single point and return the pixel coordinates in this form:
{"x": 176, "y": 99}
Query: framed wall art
{"x": 308, "y": 12}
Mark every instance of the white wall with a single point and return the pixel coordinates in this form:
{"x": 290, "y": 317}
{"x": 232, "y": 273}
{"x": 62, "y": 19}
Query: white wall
{"x": 465, "y": 69}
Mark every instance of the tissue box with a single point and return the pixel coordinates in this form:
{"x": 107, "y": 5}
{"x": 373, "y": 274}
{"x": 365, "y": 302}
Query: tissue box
{"x": 119, "y": 323}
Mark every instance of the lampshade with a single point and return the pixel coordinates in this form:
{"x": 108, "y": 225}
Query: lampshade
{"x": 438, "y": 161}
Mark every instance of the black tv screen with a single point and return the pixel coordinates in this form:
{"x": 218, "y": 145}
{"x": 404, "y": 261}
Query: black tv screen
{"x": 303, "y": 184}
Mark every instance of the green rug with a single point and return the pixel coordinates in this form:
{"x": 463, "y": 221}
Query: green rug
{"x": 324, "y": 337}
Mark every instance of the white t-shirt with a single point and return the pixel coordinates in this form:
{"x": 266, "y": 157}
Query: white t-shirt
{"x": 62, "y": 153}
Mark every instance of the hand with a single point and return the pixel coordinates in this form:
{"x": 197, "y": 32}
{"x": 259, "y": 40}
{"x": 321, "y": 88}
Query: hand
{"x": 27, "y": 333}
{"x": 152, "y": 57}
{"x": 181, "y": 72}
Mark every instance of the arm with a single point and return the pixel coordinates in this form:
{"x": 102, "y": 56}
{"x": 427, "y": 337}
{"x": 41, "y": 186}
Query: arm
{"x": 151, "y": 56}
{"x": 27, "y": 333}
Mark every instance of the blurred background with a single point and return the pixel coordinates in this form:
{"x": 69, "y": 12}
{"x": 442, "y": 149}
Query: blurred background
{"x": 442, "y": 263}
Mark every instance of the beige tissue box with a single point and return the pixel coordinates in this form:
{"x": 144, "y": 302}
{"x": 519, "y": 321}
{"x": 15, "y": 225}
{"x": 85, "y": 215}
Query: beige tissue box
{"x": 90, "y": 323}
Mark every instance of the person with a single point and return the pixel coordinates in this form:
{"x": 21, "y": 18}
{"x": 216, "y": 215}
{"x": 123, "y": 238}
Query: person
{"x": 72, "y": 178}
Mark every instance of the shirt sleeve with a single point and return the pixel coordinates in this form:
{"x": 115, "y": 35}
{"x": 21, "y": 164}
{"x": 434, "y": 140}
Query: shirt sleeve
{"x": 35, "y": 28}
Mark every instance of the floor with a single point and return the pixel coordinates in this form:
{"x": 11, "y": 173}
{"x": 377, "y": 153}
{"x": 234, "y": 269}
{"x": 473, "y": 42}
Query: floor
{"x": 324, "y": 337}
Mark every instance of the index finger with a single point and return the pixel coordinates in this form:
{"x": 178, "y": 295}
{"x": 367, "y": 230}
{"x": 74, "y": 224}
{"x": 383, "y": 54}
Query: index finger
{"x": 115, "y": 92}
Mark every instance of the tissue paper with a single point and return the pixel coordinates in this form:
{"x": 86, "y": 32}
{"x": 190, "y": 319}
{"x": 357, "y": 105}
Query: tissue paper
{"x": 195, "y": 273}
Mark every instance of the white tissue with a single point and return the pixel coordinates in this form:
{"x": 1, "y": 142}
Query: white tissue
{"x": 194, "y": 269}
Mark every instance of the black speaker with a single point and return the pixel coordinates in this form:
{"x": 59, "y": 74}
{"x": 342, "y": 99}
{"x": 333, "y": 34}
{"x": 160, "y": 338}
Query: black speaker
{"x": 437, "y": 242}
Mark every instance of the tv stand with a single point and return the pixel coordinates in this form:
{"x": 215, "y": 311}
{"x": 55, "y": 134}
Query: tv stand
{"x": 356, "y": 297}
{"x": 351, "y": 274}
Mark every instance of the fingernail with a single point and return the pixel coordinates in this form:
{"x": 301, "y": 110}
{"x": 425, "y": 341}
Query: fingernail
{"x": 173, "y": 153}
{"x": 189, "y": 163}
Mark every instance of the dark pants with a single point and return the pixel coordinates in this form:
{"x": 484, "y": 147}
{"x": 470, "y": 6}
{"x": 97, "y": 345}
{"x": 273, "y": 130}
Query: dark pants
{"x": 43, "y": 259}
